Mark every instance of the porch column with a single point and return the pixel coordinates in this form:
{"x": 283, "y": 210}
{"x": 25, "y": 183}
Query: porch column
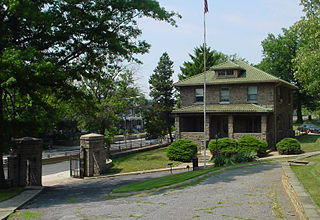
{"x": 177, "y": 125}
{"x": 230, "y": 126}
{"x": 264, "y": 127}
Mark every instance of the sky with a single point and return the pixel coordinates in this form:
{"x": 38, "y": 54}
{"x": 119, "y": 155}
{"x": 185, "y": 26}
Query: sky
{"x": 233, "y": 27}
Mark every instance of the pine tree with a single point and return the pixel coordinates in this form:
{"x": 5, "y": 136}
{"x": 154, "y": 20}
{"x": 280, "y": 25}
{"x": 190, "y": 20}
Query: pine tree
{"x": 161, "y": 91}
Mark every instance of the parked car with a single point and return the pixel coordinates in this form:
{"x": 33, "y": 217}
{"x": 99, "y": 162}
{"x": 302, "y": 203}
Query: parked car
{"x": 309, "y": 126}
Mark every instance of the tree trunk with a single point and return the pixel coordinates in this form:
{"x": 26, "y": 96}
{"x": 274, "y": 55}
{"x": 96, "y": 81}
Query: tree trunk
{"x": 3, "y": 183}
{"x": 299, "y": 107}
{"x": 169, "y": 127}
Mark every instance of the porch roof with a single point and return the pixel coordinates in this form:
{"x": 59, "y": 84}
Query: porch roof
{"x": 221, "y": 108}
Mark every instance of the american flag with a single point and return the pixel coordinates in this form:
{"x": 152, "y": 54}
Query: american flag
{"x": 206, "y": 6}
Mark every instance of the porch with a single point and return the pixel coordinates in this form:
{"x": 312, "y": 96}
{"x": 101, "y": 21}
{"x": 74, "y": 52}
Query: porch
{"x": 190, "y": 126}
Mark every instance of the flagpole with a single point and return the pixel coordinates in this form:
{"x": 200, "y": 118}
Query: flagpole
{"x": 204, "y": 86}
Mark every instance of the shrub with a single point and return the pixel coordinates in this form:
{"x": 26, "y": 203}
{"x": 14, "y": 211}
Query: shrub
{"x": 182, "y": 150}
{"x": 252, "y": 144}
{"x": 219, "y": 160}
{"x": 289, "y": 146}
{"x": 244, "y": 157}
{"x": 226, "y": 147}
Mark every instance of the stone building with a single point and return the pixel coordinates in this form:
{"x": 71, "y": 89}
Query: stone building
{"x": 241, "y": 101}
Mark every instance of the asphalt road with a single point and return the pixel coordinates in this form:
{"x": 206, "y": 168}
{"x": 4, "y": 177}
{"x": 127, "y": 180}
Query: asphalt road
{"x": 248, "y": 193}
{"x": 55, "y": 168}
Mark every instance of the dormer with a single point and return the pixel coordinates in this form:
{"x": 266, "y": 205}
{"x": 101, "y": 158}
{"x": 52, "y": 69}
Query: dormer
{"x": 228, "y": 69}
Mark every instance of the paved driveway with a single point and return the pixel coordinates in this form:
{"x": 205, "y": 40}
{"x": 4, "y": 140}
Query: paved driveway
{"x": 248, "y": 193}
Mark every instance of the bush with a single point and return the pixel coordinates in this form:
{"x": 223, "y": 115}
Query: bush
{"x": 219, "y": 160}
{"x": 289, "y": 146}
{"x": 182, "y": 150}
{"x": 226, "y": 147}
{"x": 252, "y": 144}
{"x": 244, "y": 157}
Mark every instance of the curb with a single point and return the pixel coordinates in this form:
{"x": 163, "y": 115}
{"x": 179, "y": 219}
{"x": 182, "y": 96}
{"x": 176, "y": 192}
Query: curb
{"x": 181, "y": 183}
{"x": 9, "y": 206}
{"x": 300, "y": 198}
{"x": 139, "y": 172}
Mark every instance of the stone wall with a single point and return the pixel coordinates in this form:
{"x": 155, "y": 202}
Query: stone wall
{"x": 260, "y": 136}
{"x": 283, "y": 114}
{"x": 196, "y": 137}
{"x": 238, "y": 94}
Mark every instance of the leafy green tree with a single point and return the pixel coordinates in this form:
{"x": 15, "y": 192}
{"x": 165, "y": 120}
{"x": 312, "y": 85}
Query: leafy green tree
{"x": 279, "y": 53}
{"x": 161, "y": 91}
{"x": 196, "y": 66}
{"x": 306, "y": 62}
{"x": 46, "y": 45}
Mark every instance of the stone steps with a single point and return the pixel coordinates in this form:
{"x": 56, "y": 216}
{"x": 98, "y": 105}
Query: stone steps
{"x": 201, "y": 156}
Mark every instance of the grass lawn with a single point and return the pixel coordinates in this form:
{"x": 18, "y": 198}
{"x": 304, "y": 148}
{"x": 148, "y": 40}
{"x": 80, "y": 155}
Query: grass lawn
{"x": 9, "y": 193}
{"x": 149, "y": 160}
{"x": 162, "y": 181}
{"x": 309, "y": 176}
{"x": 310, "y": 143}
{"x": 167, "y": 180}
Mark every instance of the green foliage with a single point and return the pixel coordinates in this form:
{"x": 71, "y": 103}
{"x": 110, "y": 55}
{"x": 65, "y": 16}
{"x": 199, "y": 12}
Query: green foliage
{"x": 182, "y": 150}
{"x": 219, "y": 160}
{"x": 252, "y": 144}
{"x": 289, "y": 146}
{"x": 243, "y": 157}
{"x": 196, "y": 66}
{"x": 224, "y": 146}
{"x": 279, "y": 53}
{"x": 161, "y": 92}
{"x": 306, "y": 65}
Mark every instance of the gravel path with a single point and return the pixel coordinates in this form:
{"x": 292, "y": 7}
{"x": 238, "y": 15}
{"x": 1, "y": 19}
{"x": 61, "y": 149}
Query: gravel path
{"x": 248, "y": 193}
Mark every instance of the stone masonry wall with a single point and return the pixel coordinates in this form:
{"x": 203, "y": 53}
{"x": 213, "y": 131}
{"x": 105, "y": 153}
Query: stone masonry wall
{"x": 238, "y": 94}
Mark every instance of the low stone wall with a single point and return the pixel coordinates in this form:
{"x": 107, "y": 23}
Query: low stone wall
{"x": 260, "y": 136}
{"x": 301, "y": 200}
{"x": 196, "y": 137}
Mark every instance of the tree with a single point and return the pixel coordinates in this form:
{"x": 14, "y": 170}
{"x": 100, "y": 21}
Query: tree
{"x": 196, "y": 66}
{"x": 161, "y": 91}
{"x": 278, "y": 55}
{"x": 46, "y": 45}
{"x": 307, "y": 66}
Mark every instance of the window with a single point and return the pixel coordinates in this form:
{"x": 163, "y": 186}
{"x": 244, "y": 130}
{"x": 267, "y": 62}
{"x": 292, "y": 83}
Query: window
{"x": 191, "y": 124}
{"x": 199, "y": 95}
{"x": 224, "y": 95}
{"x": 247, "y": 124}
{"x": 252, "y": 94}
{"x": 280, "y": 94}
{"x": 225, "y": 72}
{"x": 229, "y": 72}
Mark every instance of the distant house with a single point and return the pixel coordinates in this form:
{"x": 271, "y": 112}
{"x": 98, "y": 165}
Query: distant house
{"x": 241, "y": 101}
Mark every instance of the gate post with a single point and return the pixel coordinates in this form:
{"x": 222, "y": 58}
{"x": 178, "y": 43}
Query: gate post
{"x": 92, "y": 155}
{"x": 25, "y": 163}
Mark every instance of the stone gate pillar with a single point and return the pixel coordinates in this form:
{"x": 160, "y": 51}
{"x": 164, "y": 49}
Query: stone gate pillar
{"x": 25, "y": 162}
{"x": 92, "y": 155}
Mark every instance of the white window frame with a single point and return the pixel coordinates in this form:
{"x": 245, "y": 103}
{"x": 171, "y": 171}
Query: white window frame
{"x": 250, "y": 94}
{"x": 199, "y": 95}
{"x": 224, "y": 101}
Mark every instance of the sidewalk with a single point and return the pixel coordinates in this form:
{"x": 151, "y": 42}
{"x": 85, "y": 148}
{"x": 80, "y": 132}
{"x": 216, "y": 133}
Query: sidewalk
{"x": 9, "y": 206}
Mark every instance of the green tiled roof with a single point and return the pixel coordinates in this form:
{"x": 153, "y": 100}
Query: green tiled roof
{"x": 251, "y": 75}
{"x": 227, "y": 65}
{"x": 224, "y": 108}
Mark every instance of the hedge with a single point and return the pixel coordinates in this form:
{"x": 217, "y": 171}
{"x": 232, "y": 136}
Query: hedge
{"x": 224, "y": 146}
{"x": 252, "y": 144}
{"x": 289, "y": 146}
{"x": 182, "y": 150}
